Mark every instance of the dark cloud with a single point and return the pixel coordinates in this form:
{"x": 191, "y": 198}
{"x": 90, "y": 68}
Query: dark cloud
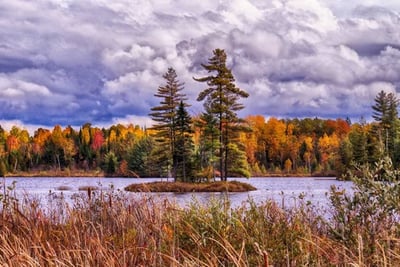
{"x": 72, "y": 62}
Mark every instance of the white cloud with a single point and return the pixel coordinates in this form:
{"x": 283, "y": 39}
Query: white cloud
{"x": 60, "y": 59}
{"x": 143, "y": 121}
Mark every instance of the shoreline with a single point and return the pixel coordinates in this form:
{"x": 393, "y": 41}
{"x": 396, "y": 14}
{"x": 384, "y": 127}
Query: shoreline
{"x": 97, "y": 174}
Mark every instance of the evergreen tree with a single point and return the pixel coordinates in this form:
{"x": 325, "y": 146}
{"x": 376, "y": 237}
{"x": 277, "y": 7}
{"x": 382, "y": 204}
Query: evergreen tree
{"x": 358, "y": 139}
{"x": 138, "y": 157}
{"x": 208, "y": 144}
{"x": 238, "y": 165}
{"x": 183, "y": 145}
{"x": 386, "y": 114}
{"x": 165, "y": 115}
{"x": 221, "y": 100}
{"x": 110, "y": 163}
{"x": 346, "y": 156}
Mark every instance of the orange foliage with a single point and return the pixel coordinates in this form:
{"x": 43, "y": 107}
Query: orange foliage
{"x": 12, "y": 143}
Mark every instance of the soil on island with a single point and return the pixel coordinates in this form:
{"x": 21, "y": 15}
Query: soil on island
{"x": 181, "y": 187}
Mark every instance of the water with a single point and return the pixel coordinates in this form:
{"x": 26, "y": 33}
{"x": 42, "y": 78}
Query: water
{"x": 285, "y": 191}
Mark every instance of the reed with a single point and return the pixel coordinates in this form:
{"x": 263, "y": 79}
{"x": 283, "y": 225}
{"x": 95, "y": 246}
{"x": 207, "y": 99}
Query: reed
{"x": 112, "y": 228}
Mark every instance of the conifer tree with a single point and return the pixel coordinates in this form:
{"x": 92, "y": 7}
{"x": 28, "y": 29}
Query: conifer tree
{"x": 183, "y": 145}
{"x": 208, "y": 144}
{"x": 385, "y": 112}
{"x": 221, "y": 100}
{"x": 165, "y": 115}
{"x": 139, "y": 156}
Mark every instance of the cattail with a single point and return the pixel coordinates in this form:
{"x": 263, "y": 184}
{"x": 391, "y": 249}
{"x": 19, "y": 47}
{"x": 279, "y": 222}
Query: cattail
{"x": 89, "y": 191}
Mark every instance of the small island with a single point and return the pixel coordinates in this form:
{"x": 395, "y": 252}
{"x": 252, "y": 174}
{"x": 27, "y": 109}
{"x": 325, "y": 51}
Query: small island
{"x": 182, "y": 187}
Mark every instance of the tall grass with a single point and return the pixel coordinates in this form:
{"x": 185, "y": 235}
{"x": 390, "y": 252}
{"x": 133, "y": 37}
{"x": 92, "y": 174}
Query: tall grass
{"x": 111, "y": 228}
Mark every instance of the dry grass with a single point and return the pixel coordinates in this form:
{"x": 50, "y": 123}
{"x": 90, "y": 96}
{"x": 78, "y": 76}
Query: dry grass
{"x": 180, "y": 187}
{"x": 111, "y": 229}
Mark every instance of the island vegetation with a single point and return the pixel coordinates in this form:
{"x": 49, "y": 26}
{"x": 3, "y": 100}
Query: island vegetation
{"x": 181, "y": 187}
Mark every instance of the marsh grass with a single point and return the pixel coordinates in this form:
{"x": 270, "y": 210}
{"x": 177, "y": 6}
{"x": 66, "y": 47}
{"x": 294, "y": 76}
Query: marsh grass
{"x": 112, "y": 228}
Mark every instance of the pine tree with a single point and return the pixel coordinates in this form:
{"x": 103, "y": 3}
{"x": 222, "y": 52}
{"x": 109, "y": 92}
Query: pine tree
{"x": 183, "y": 145}
{"x": 138, "y": 156}
{"x": 208, "y": 145}
{"x": 358, "y": 139}
{"x": 221, "y": 100}
{"x": 386, "y": 114}
{"x": 165, "y": 115}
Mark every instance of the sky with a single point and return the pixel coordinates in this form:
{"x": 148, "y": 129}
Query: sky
{"x": 70, "y": 62}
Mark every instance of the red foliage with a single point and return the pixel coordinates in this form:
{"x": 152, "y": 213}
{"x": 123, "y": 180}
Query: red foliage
{"x": 98, "y": 140}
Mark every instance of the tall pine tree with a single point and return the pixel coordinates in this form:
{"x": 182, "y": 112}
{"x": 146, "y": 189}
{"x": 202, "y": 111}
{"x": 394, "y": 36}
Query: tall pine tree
{"x": 221, "y": 100}
{"x": 165, "y": 117}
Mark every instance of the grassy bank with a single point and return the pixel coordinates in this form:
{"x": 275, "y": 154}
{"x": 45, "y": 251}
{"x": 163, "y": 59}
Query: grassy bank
{"x": 113, "y": 229}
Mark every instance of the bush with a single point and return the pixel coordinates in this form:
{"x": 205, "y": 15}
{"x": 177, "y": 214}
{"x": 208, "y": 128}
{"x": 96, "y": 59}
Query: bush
{"x": 366, "y": 221}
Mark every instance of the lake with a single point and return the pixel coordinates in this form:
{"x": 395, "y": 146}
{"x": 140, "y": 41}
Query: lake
{"x": 283, "y": 190}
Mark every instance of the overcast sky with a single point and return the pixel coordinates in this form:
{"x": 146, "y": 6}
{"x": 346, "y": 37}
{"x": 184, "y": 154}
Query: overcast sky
{"x": 70, "y": 62}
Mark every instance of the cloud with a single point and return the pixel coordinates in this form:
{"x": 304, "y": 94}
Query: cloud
{"x": 71, "y": 62}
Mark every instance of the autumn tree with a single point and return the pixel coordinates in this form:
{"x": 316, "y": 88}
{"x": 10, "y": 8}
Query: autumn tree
{"x": 258, "y": 127}
{"x": 221, "y": 100}
{"x": 3, "y": 137}
{"x": 70, "y": 149}
{"x": 40, "y": 138}
{"x": 164, "y": 116}
{"x": 307, "y": 152}
{"x": 12, "y": 148}
{"x": 328, "y": 146}
{"x": 85, "y": 155}
{"x": 97, "y": 143}
{"x": 274, "y": 138}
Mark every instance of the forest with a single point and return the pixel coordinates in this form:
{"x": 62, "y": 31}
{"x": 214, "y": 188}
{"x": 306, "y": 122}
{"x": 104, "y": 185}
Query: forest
{"x": 215, "y": 143}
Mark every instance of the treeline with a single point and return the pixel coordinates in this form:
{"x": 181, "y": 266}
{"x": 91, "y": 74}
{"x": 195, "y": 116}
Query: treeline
{"x": 273, "y": 146}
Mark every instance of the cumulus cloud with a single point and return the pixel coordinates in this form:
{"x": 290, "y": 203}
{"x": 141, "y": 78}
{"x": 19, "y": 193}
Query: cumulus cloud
{"x": 71, "y": 62}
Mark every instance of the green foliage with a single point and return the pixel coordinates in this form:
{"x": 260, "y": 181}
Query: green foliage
{"x": 238, "y": 165}
{"x": 206, "y": 154}
{"x": 110, "y": 163}
{"x": 368, "y": 216}
{"x": 165, "y": 117}
{"x": 138, "y": 157}
{"x": 221, "y": 101}
{"x": 385, "y": 112}
{"x": 183, "y": 154}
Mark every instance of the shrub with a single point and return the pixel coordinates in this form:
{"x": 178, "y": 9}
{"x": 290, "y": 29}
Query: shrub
{"x": 366, "y": 221}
